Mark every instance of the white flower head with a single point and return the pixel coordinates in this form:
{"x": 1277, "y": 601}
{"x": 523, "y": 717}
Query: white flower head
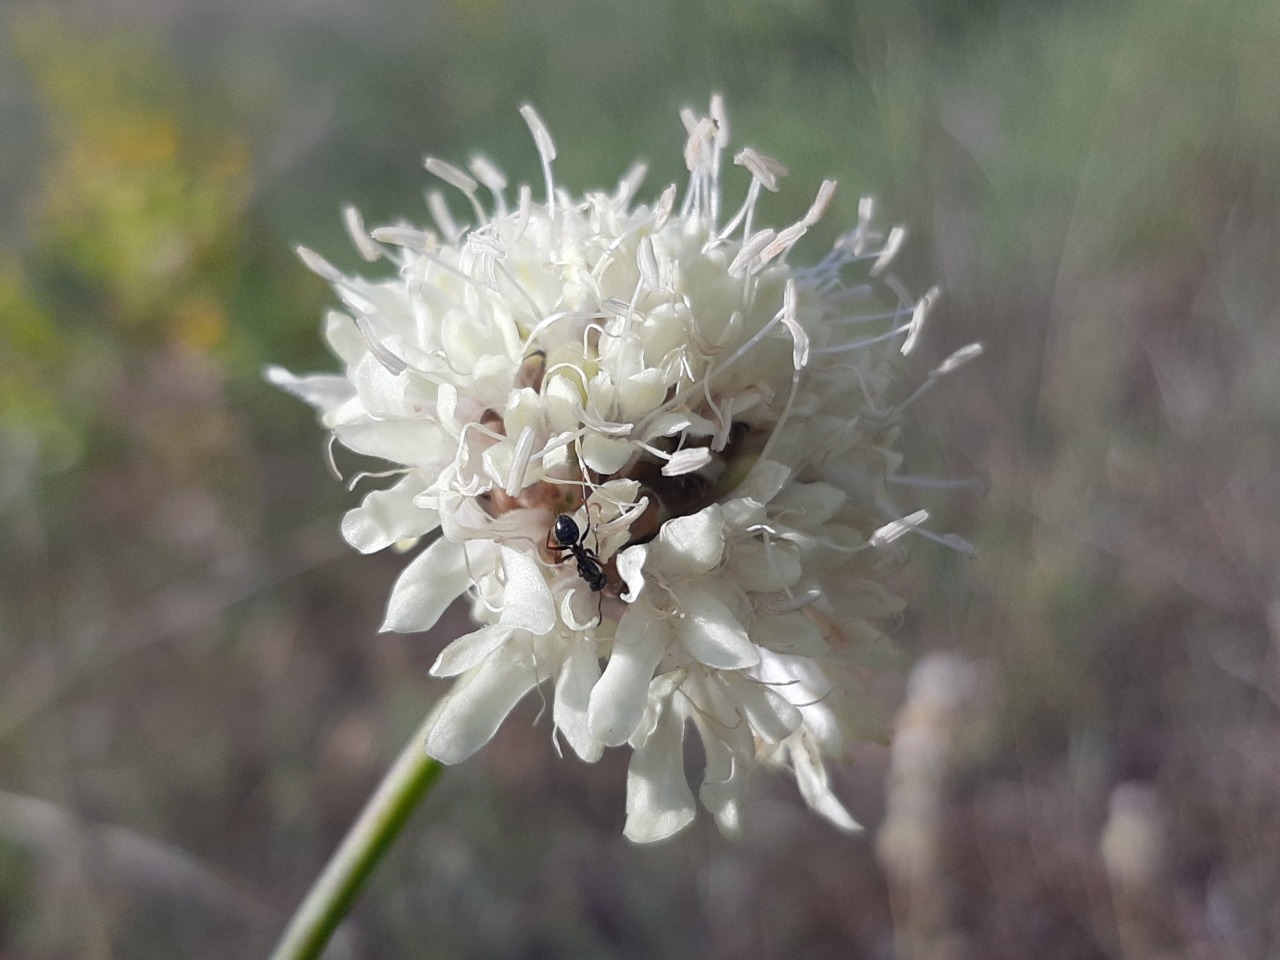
{"x": 651, "y": 452}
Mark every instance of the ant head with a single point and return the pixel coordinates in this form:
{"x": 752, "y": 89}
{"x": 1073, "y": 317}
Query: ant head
{"x": 565, "y": 530}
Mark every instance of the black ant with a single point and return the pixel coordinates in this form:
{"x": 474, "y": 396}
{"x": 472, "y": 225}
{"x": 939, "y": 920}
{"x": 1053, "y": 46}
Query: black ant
{"x": 569, "y": 540}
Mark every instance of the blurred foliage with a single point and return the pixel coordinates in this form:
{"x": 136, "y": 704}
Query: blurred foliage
{"x": 193, "y": 703}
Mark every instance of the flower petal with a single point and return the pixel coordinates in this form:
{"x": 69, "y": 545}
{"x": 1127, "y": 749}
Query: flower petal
{"x": 631, "y": 568}
{"x": 470, "y": 650}
{"x": 688, "y": 546}
{"x": 791, "y": 633}
{"x": 811, "y": 778}
{"x": 723, "y": 784}
{"x": 527, "y": 600}
{"x": 764, "y": 567}
{"x": 386, "y": 516}
{"x": 605, "y": 455}
{"x": 659, "y": 801}
{"x": 577, "y": 678}
{"x": 427, "y": 586}
{"x": 324, "y": 391}
{"x": 813, "y": 504}
{"x": 711, "y": 633}
{"x": 399, "y": 441}
{"x": 764, "y": 481}
{"x": 471, "y": 712}
{"x": 771, "y": 717}
{"x": 618, "y": 699}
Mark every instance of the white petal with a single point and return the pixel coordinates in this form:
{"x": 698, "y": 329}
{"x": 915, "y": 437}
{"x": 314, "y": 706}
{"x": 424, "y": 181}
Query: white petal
{"x": 471, "y": 712}
{"x": 587, "y": 612}
{"x": 618, "y": 699}
{"x": 631, "y": 569}
{"x": 764, "y": 567}
{"x": 427, "y": 586}
{"x": 470, "y": 650}
{"x": 722, "y": 784}
{"x": 659, "y": 801}
{"x": 343, "y": 337}
{"x": 562, "y": 399}
{"x": 641, "y": 394}
{"x": 770, "y": 716}
{"x": 691, "y": 545}
{"x": 711, "y": 633}
{"x": 527, "y": 600}
{"x": 386, "y": 516}
{"x": 577, "y": 678}
{"x": 812, "y": 503}
{"x": 606, "y": 455}
{"x": 384, "y": 394}
{"x": 324, "y": 391}
{"x": 811, "y": 778}
{"x": 400, "y": 441}
{"x": 764, "y": 481}
{"x": 791, "y": 633}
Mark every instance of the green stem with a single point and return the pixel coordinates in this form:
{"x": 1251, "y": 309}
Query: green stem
{"x": 379, "y": 823}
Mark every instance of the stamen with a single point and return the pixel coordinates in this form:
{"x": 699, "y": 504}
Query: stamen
{"x": 546, "y": 152}
{"x": 406, "y": 237}
{"x": 686, "y": 461}
{"x": 744, "y": 264}
{"x": 891, "y": 246}
{"x": 784, "y": 241}
{"x": 647, "y": 263}
{"x": 953, "y": 362}
{"x": 375, "y": 475}
{"x": 525, "y": 209}
{"x": 393, "y": 364}
{"x": 359, "y": 236}
{"x": 723, "y": 419}
{"x": 601, "y": 425}
{"x": 627, "y": 514}
{"x": 662, "y": 209}
{"x": 918, "y": 317}
{"x": 959, "y": 359}
{"x": 487, "y": 172}
{"x": 543, "y": 324}
{"x": 457, "y": 177}
{"x": 534, "y": 309}
{"x": 800, "y": 339}
{"x": 765, "y": 170}
{"x": 443, "y": 216}
{"x": 866, "y": 341}
{"x": 555, "y": 443}
{"x": 896, "y": 529}
{"x": 720, "y": 120}
{"x": 319, "y": 265}
{"x": 487, "y": 245}
{"x": 630, "y": 183}
{"x": 744, "y": 211}
{"x": 821, "y": 203}
{"x": 787, "y": 604}
{"x": 519, "y": 462}
{"x": 329, "y": 460}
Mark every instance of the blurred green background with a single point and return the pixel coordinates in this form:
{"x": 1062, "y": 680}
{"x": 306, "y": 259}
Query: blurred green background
{"x": 194, "y": 700}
